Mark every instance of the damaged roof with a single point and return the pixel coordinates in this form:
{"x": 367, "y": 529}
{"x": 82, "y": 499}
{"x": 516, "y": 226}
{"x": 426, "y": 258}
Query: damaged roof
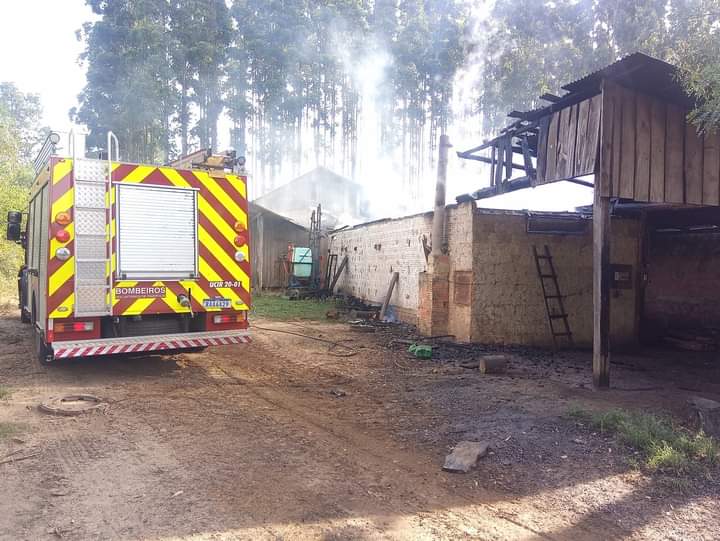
{"x": 637, "y": 71}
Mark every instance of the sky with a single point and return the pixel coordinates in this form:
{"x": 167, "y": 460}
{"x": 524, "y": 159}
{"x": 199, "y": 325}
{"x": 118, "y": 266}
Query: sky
{"x": 40, "y": 54}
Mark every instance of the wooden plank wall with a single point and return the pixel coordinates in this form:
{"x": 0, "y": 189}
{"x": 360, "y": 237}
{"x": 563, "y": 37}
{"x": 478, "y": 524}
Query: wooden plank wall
{"x": 568, "y": 143}
{"x": 651, "y": 153}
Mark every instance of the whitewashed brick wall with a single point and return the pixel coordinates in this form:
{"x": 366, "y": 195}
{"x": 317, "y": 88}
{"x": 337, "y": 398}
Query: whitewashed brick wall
{"x": 378, "y": 249}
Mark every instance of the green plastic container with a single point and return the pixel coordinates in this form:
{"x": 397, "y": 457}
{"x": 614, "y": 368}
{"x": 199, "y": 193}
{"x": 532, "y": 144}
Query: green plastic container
{"x": 421, "y": 351}
{"x": 302, "y": 262}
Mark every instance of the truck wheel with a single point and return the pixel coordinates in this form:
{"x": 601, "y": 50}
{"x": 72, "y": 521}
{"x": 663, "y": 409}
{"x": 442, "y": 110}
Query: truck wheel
{"x": 22, "y": 282}
{"x": 43, "y": 353}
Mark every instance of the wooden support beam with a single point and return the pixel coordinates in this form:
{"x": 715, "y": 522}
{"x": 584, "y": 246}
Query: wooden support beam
{"x": 497, "y": 181}
{"x": 492, "y": 167}
{"x": 343, "y": 264}
{"x": 508, "y": 158}
{"x": 601, "y": 291}
{"x": 527, "y": 161}
{"x": 485, "y": 159}
{"x": 552, "y": 98}
{"x": 388, "y": 295}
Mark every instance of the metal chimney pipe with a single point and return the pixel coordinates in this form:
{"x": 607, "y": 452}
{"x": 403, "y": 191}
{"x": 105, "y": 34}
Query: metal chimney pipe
{"x": 438, "y": 226}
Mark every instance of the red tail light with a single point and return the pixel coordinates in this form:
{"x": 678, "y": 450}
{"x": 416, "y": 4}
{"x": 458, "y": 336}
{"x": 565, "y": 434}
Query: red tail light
{"x": 241, "y": 239}
{"x": 62, "y": 236}
{"x": 77, "y": 326}
{"x": 230, "y": 318}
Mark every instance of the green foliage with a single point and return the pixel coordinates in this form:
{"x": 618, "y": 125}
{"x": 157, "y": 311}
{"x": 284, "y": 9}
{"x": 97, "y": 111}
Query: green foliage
{"x": 8, "y": 429}
{"x": 276, "y": 307}
{"x": 24, "y": 112}
{"x": 5, "y": 392}
{"x": 129, "y": 86}
{"x": 538, "y": 48}
{"x": 15, "y": 177}
{"x": 663, "y": 445}
{"x": 699, "y": 55}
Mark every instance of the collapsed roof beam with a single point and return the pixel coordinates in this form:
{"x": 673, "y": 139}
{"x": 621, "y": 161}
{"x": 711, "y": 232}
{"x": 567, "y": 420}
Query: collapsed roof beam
{"x": 552, "y": 98}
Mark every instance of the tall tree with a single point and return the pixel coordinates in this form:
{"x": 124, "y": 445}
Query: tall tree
{"x": 129, "y": 86}
{"x": 207, "y": 45}
{"x": 699, "y": 56}
{"x": 15, "y": 172}
{"x": 22, "y": 115}
{"x": 534, "y": 50}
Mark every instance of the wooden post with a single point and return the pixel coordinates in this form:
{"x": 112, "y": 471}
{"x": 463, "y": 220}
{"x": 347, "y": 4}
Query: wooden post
{"x": 343, "y": 264}
{"x": 601, "y": 290}
{"x": 386, "y": 302}
{"x": 258, "y": 249}
{"x": 438, "y": 224}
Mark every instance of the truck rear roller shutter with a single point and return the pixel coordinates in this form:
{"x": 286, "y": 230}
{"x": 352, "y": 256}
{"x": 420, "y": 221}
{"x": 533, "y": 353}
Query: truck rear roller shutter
{"x": 157, "y": 232}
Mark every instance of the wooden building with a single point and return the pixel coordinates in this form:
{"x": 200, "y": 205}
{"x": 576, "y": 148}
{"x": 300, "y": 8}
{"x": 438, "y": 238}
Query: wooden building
{"x": 271, "y": 234}
{"x": 341, "y": 199}
{"x": 623, "y": 130}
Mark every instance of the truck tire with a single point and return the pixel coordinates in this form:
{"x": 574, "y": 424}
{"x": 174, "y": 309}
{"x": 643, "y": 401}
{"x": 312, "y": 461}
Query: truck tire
{"x": 43, "y": 353}
{"x": 22, "y": 283}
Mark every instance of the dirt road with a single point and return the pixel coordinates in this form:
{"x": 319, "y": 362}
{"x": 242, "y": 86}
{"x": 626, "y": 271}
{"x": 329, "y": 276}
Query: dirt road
{"x": 282, "y": 440}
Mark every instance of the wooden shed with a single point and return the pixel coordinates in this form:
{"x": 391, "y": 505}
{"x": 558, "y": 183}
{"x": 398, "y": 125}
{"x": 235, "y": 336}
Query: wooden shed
{"x": 271, "y": 234}
{"x": 622, "y": 130}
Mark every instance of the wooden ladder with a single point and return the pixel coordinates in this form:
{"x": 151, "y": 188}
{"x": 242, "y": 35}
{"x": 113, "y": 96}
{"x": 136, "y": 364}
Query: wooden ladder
{"x": 554, "y": 306}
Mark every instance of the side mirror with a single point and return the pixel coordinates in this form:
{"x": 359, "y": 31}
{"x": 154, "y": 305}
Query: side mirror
{"x": 14, "y": 219}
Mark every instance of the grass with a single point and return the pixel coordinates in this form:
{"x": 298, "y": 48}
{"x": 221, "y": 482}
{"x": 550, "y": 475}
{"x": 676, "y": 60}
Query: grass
{"x": 7, "y": 430}
{"x": 662, "y": 444}
{"x": 5, "y": 392}
{"x": 276, "y": 307}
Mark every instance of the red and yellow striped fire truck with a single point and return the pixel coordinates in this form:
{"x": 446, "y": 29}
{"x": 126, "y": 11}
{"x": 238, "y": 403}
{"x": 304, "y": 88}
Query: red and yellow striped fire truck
{"x": 126, "y": 258}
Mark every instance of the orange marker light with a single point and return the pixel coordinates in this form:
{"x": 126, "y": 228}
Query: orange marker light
{"x": 62, "y": 236}
{"x": 62, "y": 218}
{"x": 239, "y": 227}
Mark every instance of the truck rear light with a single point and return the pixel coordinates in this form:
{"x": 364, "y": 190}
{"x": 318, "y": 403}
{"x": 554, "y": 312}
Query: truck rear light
{"x": 239, "y": 256}
{"x": 76, "y": 326}
{"x": 239, "y": 227}
{"x": 62, "y": 254}
{"x": 241, "y": 239}
{"x": 63, "y": 218}
{"x": 240, "y": 317}
{"x": 62, "y": 236}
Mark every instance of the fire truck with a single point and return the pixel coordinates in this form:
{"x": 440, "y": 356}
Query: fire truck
{"x": 133, "y": 258}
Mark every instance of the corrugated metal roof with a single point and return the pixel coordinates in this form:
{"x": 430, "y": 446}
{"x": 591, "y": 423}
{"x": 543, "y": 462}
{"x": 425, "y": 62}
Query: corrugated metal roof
{"x": 640, "y": 72}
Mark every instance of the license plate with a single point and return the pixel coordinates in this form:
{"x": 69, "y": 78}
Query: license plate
{"x": 217, "y": 303}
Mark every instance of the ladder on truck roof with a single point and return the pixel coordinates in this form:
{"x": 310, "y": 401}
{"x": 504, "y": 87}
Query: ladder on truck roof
{"x": 554, "y": 305}
{"x": 93, "y": 277}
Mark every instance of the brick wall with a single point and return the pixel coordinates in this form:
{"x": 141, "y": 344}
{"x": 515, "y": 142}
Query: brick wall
{"x": 508, "y": 306}
{"x": 378, "y": 249}
{"x": 491, "y": 289}
{"x": 682, "y": 288}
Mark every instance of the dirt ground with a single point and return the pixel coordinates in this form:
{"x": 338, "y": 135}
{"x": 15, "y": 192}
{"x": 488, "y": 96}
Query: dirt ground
{"x": 280, "y": 439}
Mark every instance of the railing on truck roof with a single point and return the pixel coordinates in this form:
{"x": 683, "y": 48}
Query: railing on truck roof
{"x": 47, "y": 150}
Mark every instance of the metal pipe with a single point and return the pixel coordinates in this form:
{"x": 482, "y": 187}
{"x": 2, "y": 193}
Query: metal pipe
{"x": 110, "y": 138}
{"x": 438, "y": 226}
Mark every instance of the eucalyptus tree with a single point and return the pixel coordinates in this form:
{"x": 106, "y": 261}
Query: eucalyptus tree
{"x": 129, "y": 86}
